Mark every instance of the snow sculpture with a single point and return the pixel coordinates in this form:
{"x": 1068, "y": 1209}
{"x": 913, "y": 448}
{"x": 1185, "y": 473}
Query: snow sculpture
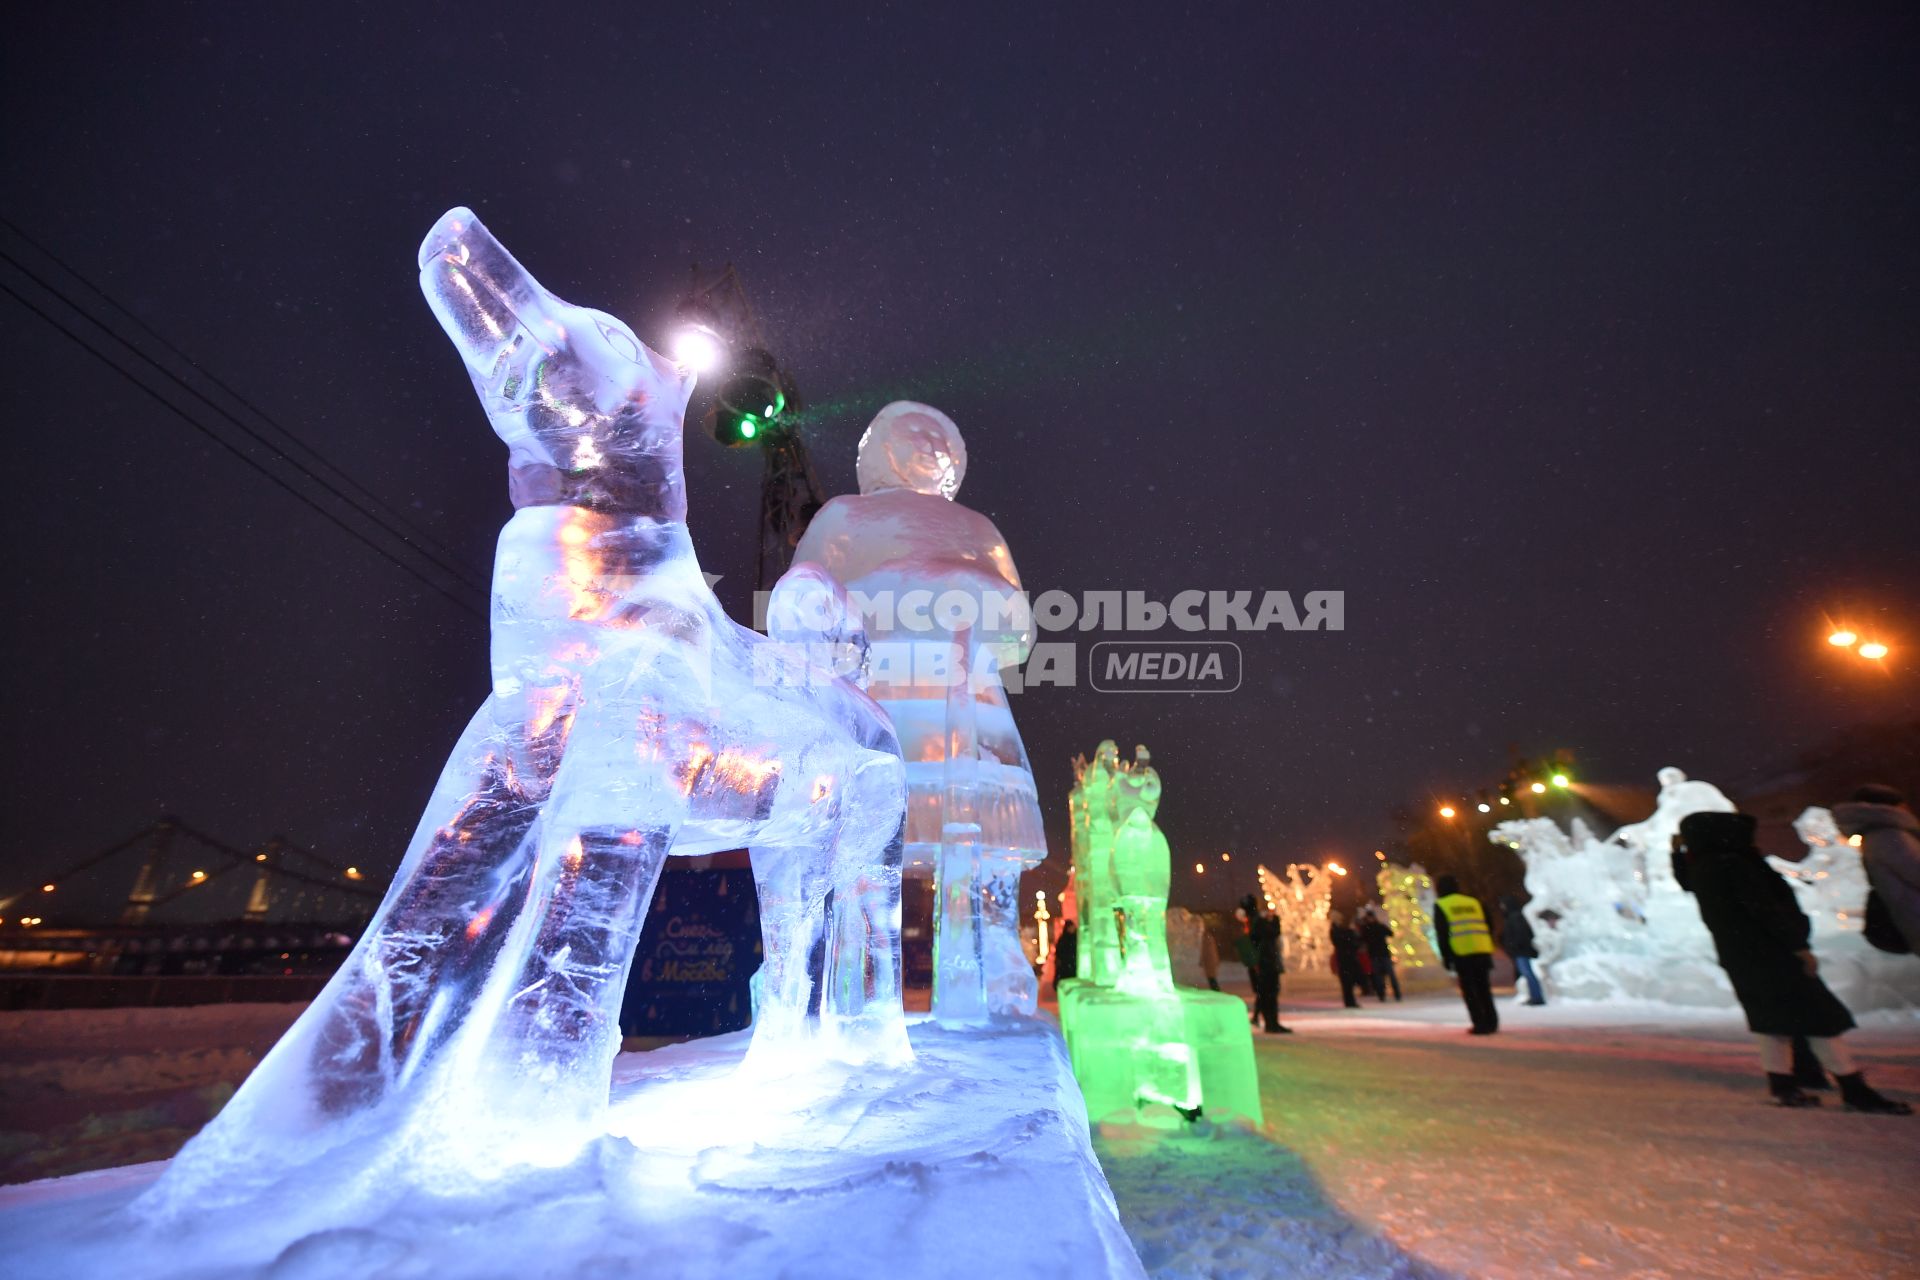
{"x": 1831, "y": 885}
{"x": 1612, "y": 923}
{"x": 1586, "y": 901}
{"x": 945, "y": 611}
{"x": 1407, "y": 895}
{"x": 1134, "y": 1037}
{"x": 1670, "y": 911}
{"x": 1609, "y": 919}
{"x": 1301, "y": 897}
{"x": 1583, "y": 895}
{"x": 474, "y": 1025}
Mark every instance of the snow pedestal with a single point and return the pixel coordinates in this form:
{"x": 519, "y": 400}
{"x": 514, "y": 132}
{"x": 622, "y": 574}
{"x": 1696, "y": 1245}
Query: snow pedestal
{"x": 972, "y": 1161}
{"x": 1186, "y": 1049}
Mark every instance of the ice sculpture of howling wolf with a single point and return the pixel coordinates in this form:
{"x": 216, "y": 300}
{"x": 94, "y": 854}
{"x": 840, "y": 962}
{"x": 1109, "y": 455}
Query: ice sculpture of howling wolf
{"x": 475, "y": 1023}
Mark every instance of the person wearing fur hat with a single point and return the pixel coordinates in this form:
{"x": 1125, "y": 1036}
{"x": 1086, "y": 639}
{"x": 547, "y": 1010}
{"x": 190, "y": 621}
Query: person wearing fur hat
{"x": 1763, "y": 941}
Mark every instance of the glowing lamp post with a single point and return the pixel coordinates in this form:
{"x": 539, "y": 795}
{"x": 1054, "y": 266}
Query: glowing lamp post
{"x": 1848, "y": 639}
{"x": 696, "y": 341}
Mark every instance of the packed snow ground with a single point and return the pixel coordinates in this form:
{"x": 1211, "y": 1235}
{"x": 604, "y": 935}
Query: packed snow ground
{"x": 1582, "y": 1141}
{"x": 88, "y": 1089}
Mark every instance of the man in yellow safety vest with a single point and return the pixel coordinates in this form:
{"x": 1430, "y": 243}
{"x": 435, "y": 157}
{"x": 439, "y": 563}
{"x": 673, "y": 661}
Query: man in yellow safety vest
{"x": 1466, "y": 948}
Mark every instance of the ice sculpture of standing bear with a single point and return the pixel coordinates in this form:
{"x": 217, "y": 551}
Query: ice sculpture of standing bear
{"x": 475, "y": 1023}
{"x": 973, "y": 815}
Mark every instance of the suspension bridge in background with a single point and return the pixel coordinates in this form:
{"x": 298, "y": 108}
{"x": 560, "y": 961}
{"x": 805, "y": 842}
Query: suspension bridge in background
{"x": 171, "y": 915}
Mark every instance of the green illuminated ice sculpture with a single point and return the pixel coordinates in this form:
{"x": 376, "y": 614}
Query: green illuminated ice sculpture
{"x": 1134, "y": 1037}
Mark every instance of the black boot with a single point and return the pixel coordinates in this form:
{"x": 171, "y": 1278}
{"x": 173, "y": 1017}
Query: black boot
{"x": 1807, "y": 1071}
{"x": 1787, "y": 1093}
{"x": 1858, "y": 1095}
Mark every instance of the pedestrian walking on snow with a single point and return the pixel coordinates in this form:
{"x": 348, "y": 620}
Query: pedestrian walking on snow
{"x": 1516, "y": 936}
{"x": 1066, "y": 955}
{"x": 1377, "y": 935}
{"x": 1263, "y": 938}
{"x": 1465, "y": 943}
{"x": 1762, "y": 938}
{"x": 1348, "y": 953}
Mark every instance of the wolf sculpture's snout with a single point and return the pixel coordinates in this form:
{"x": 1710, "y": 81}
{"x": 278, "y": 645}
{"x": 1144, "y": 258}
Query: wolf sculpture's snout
{"x": 480, "y": 294}
{"x": 446, "y": 236}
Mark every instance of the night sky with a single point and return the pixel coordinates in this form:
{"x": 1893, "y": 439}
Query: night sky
{"x": 1580, "y": 349}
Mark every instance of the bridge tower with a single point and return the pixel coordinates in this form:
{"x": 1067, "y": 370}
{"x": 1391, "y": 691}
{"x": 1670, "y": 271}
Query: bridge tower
{"x": 146, "y": 885}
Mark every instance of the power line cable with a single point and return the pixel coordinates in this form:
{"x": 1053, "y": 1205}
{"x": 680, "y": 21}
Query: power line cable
{"x": 242, "y": 454}
{"x": 288, "y": 433}
{"x": 456, "y": 572}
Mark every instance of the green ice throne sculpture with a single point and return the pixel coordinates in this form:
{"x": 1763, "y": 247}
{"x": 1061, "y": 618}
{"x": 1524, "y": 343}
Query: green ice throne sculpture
{"x": 1134, "y": 1037}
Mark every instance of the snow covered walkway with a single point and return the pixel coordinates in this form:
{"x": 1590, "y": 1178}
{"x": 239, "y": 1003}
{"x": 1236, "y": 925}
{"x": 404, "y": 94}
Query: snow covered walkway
{"x": 1578, "y": 1142}
{"x": 1565, "y": 1146}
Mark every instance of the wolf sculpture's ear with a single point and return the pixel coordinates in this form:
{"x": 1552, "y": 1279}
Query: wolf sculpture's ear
{"x": 483, "y": 298}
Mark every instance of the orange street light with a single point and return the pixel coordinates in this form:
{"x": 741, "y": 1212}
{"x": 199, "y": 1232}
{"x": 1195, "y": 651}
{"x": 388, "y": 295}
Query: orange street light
{"x": 1842, "y": 639}
{"x": 1873, "y": 649}
{"x": 1446, "y": 811}
{"x": 1539, "y": 788}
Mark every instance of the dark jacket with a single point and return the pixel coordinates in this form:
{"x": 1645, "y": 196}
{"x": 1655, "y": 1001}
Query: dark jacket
{"x": 1758, "y": 930}
{"x": 1346, "y": 950}
{"x": 1516, "y": 935}
{"x": 1890, "y": 848}
{"x": 1066, "y": 954}
{"x": 1378, "y": 935}
{"x": 1264, "y": 933}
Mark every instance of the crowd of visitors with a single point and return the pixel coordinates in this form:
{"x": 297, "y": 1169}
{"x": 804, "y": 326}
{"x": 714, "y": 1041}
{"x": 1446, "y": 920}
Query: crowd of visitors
{"x": 1761, "y": 938}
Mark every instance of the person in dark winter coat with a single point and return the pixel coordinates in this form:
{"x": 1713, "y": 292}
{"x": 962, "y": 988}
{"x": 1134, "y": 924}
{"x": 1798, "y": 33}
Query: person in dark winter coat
{"x": 1889, "y": 836}
{"x": 1762, "y": 939}
{"x": 1516, "y": 936}
{"x": 1066, "y": 955}
{"x": 1377, "y": 935}
{"x": 1263, "y": 932}
{"x": 1807, "y": 1071}
{"x": 1346, "y": 956}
